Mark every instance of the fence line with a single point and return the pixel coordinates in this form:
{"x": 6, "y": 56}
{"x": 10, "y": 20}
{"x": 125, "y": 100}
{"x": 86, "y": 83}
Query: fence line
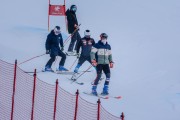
{"x": 24, "y": 97}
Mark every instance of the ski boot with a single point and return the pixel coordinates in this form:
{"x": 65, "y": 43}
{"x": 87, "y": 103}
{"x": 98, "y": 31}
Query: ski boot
{"x": 77, "y": 68}
{"x": 62, "y": 68}
{"x": 94, "y": 92}
{"x": 48, "y": 69}
{"x": 105, "y": 90}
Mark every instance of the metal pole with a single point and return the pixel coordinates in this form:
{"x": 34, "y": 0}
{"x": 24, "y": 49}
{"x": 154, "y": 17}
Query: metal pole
{"x": 48, "y": 14}
{"x": 32, "y": 58}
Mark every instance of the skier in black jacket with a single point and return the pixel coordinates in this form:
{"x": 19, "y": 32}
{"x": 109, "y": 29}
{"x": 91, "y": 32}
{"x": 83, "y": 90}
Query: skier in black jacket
{"x": 85, "y": 44}
{"x": 54, "y": 38}
{"x": 73, "y": 27}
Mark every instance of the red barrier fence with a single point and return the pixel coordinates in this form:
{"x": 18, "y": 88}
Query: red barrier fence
{"x": 25, "y": 97}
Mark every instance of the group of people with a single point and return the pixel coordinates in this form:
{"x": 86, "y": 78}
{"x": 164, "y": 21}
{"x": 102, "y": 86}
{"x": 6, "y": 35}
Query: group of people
{"x": 98, "y": 54}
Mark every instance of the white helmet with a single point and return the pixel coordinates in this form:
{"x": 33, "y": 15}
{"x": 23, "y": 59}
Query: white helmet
{"x": 87, "y": 33}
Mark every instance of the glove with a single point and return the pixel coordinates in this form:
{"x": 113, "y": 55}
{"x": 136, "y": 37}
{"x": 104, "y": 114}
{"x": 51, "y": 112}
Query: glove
{"x": 78, "y": 55}
{"x": 62, "y": 48}
{"x": 47, "y": 51}
{"x": 94, "y": 63}
{"x": 111, "y": 64}
{"x": 76, "y": 27}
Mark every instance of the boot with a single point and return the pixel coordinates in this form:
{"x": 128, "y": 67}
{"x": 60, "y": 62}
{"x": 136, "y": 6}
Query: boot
{"x": 48, "y": 69}
{"x": 62, "y": 68}
{"x": 77, "y": 68}
{"x": 94, "y": 92}
{"x": 105, "y": 90}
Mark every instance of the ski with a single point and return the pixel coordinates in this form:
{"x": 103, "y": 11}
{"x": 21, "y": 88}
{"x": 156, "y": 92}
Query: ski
{"x": 64, "y": 72}
{"x": 71, "y": 73}
{"x": 32, "y": 72}
{"x": 48, "y": 71}
{"x": 70, "y": 54}
{"x": 103, "y": 96}
{"x": 99, "y": 96}
{"x": 74, "y": 81}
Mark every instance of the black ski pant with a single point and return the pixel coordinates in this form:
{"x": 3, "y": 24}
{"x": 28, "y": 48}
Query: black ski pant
{"x": 82, "y": 59}
{"x": 75, "y": 38}
{"x": 105, "y": 68}
{"x": 53, "y": 58}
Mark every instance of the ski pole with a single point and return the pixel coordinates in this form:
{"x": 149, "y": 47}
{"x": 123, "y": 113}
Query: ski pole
{"x": 83, "y": 73}
{"x": 67, "y": 39}
{"x": 55, "y": 60}
{"x": 31, "y": 58}
{"x": 73, "y": 63}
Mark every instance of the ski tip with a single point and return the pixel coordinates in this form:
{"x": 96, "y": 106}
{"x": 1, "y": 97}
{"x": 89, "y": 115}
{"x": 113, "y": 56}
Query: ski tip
{"x": 81, "y": 83}
{"x": 118, "y": 97}
{"x": 106, "y": 97}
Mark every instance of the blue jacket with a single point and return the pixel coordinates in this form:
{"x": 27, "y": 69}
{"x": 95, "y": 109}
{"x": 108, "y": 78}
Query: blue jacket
{"x": 86, "y": 45}
{"x": 52, "y": 43}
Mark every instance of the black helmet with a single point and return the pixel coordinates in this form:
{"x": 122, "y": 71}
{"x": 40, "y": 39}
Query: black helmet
{"x": 104, "y": 35}
{"x": 57, "y": 27}
{"x": 73, "y": 8}
{"x": 57, "y": 30}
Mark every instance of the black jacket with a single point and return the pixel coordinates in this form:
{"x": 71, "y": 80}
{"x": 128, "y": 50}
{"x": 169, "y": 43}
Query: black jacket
{"x": 86, "y": 45}
{"x": 72, "y": 20}
{"x": 52, "y": 43}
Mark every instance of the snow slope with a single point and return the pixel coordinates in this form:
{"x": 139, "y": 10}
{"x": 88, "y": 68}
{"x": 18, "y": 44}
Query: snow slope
{"x": 144, "y": 36}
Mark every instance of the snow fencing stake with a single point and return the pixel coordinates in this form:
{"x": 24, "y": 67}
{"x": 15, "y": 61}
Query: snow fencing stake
{"x": 55, "y": 99}
{"x": 76, "y": 106}
{"x": 14, "y": 89}
{"x": 122, "y": 116}
{"x": 33, "y": 96}
{"x": 98, "y": 111}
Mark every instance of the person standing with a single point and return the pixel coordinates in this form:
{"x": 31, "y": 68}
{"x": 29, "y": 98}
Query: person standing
{"x": 73, "y": 28}
{"x": 54, "y": 39}
{"x": 85, "y": 44}
{"x": 101, "y": 57}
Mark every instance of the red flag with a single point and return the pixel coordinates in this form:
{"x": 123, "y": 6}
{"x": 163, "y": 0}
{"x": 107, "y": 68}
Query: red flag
{"x": 58, "y": 10}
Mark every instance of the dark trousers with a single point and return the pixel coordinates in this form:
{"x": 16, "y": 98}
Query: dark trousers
{"x": 105, "y": 68}
{"x": 82, "y": 59}
{"x": 53, "y": 58}
{"x": 75, "y": 38}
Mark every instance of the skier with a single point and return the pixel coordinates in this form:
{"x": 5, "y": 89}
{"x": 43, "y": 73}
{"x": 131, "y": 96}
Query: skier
{"x": 101, "y": 57}
{"x": 85, "y": 44}
{"x": 54, "y": 38}
{"x": 73, "y": 28}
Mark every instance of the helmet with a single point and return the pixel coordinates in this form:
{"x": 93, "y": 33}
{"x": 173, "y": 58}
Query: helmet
{"x": 57, "y": 27}
{"x": 87, "y": 33}
{"x": 104, "y": 35}
{"x": 57, "y": 30}
{"x": 73, "y": 8}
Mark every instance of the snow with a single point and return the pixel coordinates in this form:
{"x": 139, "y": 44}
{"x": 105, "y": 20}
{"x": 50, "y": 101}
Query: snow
{"x": 145, "y": 40}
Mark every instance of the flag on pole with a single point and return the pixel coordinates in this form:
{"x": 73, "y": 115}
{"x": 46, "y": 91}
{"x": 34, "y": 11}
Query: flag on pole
{"x": 57, "y": 10}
